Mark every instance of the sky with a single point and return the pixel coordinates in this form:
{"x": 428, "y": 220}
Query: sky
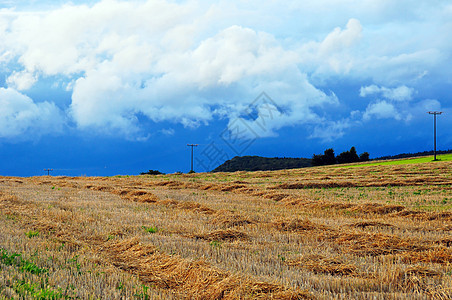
{"x": 110, "y": 87}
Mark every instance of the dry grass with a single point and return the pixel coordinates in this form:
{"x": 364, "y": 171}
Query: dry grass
{"x": 374, "y": 244}
{"x": 133, "y": 195}
{"x": 194, "y": 279}
{"x": 330, "y": 233}
{"x": 364, "y": 224}
{"x": 324, "y": 265}
{"x": 223, "y": 235}
{"x": 295, "y": 225}
{"x": 230, "y": 219}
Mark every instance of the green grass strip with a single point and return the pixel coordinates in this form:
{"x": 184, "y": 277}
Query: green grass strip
{"x": 417, "y": 160}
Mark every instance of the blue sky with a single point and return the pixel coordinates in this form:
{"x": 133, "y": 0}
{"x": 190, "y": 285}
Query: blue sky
{"x": 120, "y": 87}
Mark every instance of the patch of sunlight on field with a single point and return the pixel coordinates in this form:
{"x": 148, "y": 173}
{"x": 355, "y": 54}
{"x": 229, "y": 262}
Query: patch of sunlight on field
{"x": 417, "y": 160}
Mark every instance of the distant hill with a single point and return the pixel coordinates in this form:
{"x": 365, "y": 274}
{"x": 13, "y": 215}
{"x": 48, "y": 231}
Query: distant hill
{"x": 258, "y": 163}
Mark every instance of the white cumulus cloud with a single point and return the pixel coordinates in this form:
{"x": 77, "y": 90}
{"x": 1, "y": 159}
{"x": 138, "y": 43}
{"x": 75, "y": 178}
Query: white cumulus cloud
{"x": 381, "y": 110}
{"x": 401, "y": 93}
{"x": 332, "y": 130}
{"x": 334, "y": 53}
{"x": 398, "y": 103}
{"x": 21, "y": 80}
{"x": 21, "y": 117}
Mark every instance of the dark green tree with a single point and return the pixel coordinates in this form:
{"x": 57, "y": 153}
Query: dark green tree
{"x": 317, "y": 160}
{"x": 364, "y": 156}
{"x": 328, "y": 157}
{"x": 348, "y": 156}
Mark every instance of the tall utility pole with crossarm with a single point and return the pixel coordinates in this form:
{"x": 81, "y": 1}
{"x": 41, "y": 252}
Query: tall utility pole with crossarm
{"x": 192, "y": 146}
{"x": 434, "y": 113}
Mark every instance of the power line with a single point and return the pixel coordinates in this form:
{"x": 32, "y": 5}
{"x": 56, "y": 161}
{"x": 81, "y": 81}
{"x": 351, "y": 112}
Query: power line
{"x": 192, "y": 146}
{"x": 434, "y": 113}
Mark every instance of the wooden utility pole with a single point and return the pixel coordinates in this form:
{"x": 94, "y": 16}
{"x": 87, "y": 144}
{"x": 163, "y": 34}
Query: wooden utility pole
{"x": 192, "y": 146}
{"x": 434, "y": 113}
{"x": 48, "y": 171}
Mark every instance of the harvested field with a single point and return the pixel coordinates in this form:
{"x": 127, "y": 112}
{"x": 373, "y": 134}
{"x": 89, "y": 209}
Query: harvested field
{"x": 375, "y": 232}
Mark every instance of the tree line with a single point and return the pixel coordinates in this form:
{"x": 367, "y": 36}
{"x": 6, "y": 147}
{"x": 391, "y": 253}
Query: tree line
{"x": 329, "y": 158}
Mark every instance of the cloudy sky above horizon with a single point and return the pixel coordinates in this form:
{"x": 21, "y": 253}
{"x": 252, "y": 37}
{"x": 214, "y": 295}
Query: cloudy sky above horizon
{"x": 109, "y": 87}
